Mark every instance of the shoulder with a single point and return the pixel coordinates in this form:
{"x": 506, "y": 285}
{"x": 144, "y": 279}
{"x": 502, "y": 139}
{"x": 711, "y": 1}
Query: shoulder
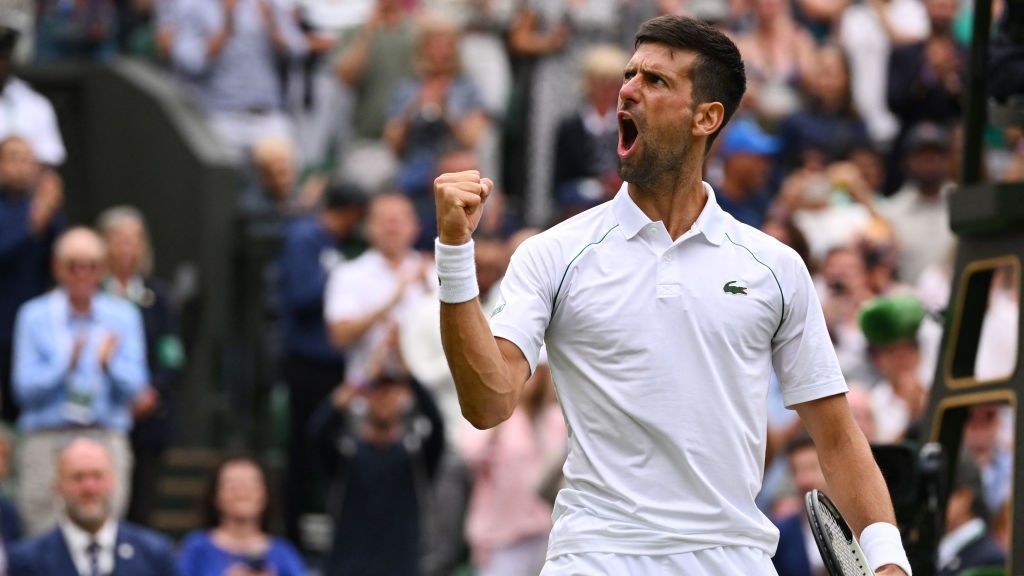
{"x": 24, "y": 92}
{"x": 117, "y": 307}
{"x": 149, "y": 541}
{"x": 982, "y": 552}
{"x": 300, "y": 226}
{"x": 195, "y": 540}
{"x": 763, "y": 248}
{"x": 569, "y": 237}
{"x": 26, "y": 553}
{"x": 34, "y": 309}
{"x": 285, "y": 550}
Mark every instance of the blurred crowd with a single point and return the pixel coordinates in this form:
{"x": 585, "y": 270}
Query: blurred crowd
{"x": 343, "y": 113}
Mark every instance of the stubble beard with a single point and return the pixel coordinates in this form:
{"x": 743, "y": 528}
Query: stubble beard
{"x": 650, "y": 169}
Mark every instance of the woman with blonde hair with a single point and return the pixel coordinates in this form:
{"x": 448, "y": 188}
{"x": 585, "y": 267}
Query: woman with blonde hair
{"x": 130, "y": 268}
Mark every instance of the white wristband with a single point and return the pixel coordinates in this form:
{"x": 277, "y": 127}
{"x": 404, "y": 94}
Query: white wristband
{"x": 882, "y": 545}
{"x": 456, "y": 271}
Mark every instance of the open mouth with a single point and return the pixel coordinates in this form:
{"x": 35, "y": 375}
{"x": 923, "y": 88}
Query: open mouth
{"x": 627, "y": 135}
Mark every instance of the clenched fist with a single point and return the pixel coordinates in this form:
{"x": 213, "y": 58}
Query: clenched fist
{"x": 460, "y": 201}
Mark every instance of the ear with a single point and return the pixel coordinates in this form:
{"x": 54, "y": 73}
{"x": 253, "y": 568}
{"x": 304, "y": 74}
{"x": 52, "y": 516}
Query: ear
{"x": 708, "y": 118}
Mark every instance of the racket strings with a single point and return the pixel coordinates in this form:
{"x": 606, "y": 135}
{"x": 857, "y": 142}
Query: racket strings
{"x": 842, "y": 546}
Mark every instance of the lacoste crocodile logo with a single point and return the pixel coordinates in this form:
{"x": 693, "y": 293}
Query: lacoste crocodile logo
{"x": 730, "y": 289}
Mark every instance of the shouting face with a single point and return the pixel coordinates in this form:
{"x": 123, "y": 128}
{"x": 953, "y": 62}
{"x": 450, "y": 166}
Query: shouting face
{"x": 655, "y": 113}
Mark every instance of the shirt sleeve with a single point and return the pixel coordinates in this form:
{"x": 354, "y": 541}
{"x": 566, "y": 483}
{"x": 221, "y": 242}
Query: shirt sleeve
{"x": 40, "y": 366}
{"x": 49, "y": 147}
{"x": 190, "y": 38}
{"x": 128, "y": 370}
{"x": 802, "y": 353}
{"x": 527, "y": 291}
{"x": 341, "y": 302}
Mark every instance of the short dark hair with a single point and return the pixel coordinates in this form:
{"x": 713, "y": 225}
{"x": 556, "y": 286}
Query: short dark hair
{"x": 718, "y": 74}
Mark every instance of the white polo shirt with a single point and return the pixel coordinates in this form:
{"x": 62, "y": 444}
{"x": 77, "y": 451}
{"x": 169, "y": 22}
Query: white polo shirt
{"x": 661, "y": 353}
{"x": 363, "y": 285}
{"x": 28, "y": 114}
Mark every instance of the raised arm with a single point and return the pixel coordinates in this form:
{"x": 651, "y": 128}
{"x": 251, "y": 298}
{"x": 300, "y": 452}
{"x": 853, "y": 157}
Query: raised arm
{"x": 854, "y": 480}
{"x": 489, "y": 373}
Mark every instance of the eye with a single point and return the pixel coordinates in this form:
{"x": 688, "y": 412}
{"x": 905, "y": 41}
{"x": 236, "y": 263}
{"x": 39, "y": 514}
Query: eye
{"x": 628, "y": 75}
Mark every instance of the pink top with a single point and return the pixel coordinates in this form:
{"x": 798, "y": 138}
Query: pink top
{"x": 508, "y": 463}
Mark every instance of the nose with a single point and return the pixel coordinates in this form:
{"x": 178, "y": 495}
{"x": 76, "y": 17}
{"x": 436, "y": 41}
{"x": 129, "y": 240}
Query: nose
{"x": 630, "y": 91}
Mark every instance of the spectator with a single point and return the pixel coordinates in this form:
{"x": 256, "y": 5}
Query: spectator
{"x": 569, "y": 28}
{"x": 509, "y": 521}
{"x": 967, "y": 542}
{"x": 313, "y": 245}
{"x": 868, "y": 32}
{"x": 235, "y": 540}
{"x": 29, "y": 114}
{"x": 890, "y": 324}
{"x": 863, "y": 412}
{"x": 777, "y": 52}
{"x": 373, "y": 60}
{"x": 274, "y": 191}
{"x": 586, "y": 167}
{"x": 439, "y": 109}
{"x": 832, "y": 204}
{"x": 829, "y": 129}
{"x": 990, "y": 453}
{"x": 795, "y": 555}
{"x": 130, "y": 267}
{"x": 228, "y": 53}
{"x": 79, "y": 362}
{"x": 918, "y": 212}
{"x": 926, "y": 79}
{"x": 31, "y": 199}
{"x": 90, "y": 540}
{"x": 76, "y": 29}
{"x": 747, "y": 152}
{"x": 844, "y": 288}
{"x": 382, "y": 443}
{"x": 358, "y": 318}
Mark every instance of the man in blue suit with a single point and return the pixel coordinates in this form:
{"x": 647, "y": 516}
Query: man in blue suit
{"x": 88, "y": 541}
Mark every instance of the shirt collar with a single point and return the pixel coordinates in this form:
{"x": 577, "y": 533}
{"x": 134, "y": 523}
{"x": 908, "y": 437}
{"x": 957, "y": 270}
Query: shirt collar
{"x": 631, "y": 219}
{"x": 952, "y": 543}
{"x": 78, "y": 539}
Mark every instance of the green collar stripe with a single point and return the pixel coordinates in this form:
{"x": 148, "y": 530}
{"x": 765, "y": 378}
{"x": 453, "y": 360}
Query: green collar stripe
{"x": 554, "y": 302}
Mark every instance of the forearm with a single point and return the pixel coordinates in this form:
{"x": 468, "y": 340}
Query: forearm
{"x": 855, "y": 482}
{"x": 345, "y": 332}
{"x": 487, "y": 389}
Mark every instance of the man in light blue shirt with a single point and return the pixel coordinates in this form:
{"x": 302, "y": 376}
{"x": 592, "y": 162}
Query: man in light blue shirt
{"x": 79, "y": 363}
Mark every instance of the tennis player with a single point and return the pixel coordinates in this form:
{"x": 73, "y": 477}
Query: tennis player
{"x": 663, "y": 318}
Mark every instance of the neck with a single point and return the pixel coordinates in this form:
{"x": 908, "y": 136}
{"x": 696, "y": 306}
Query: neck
{"x": 675, "y": 201}
{"x": 240, "y": 528}
{"x": 80, "y": 305}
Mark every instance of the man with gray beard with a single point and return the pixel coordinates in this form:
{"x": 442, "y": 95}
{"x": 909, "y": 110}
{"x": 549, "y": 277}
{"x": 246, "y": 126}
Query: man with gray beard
{"x": 88, "y": 541}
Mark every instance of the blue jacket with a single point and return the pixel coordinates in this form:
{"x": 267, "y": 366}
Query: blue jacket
{"x": 139, "y": 552}
{"x": 982, "y": 552}
{"x": 791, "y": 555}
{"x": 308, "y": 254}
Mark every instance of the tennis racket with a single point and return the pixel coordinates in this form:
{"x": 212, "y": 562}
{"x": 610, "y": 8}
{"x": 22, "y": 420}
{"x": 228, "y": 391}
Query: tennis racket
{"x": 839, "y": 549}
